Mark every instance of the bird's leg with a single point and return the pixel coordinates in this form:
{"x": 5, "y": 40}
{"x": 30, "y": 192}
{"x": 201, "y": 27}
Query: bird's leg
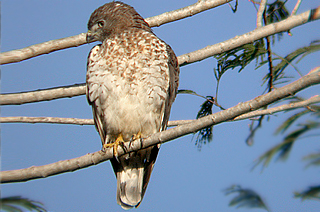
{"x": 115, "y": 145}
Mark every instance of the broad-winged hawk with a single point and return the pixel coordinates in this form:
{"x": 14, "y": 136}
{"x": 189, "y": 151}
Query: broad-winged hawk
{"x": 132, "y": 80}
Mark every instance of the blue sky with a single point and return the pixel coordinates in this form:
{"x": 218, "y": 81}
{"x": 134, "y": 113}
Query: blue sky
{"x": 184, "y": 178}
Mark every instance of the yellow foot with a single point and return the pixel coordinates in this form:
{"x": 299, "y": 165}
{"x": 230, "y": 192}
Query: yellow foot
{"x": 115, "y": 145}
{"x": 135, "y": 137}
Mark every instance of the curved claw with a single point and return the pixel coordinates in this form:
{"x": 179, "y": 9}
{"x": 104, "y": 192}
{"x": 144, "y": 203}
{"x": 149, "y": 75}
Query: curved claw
{"x": 119, "y": 141}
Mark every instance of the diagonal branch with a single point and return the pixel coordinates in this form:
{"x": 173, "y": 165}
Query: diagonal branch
{"x": 195, "y": 56}
{"x": 285, "y": 107}
{"x": 257, "y": 34}
{"x": 185, "y": 12}
{"x": 78, "y": 40}
{"x": 35, "y": 172}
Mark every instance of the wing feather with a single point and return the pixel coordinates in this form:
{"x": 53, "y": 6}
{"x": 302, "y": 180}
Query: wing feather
{"x": 90, "y": 93}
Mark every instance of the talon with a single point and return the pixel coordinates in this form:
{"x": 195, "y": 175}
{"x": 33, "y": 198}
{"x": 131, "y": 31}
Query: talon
{"x": 135, "y": 137}
{"x": 115, "y": 145}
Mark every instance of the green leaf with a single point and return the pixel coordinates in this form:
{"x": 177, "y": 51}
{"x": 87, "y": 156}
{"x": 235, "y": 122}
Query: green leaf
{"x": 286, "y": 124}
{"x": 245, "y": 198}
{"x": 312, "y": 192}
{"x": 183, "y": 91}
{"x": 276, "y": 12}
{"x": 283, "y": 149}
{"x": 17, "y": 204}
{"x": 278, "y": 70}
{"x": 314, "y": 159}
{"x": 239, "y": 57}
{"x": 205, "y": 134}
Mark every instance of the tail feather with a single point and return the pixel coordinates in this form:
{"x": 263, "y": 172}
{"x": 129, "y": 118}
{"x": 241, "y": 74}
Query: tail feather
{"x": 133, "y": 173}
{"x": 129, "y": 186}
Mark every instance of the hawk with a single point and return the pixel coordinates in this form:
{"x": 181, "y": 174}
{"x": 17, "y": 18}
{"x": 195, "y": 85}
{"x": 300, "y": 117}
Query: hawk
{"x": 132, "y": 80}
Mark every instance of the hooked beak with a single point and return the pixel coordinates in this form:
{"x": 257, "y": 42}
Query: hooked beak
{"x": 90, "y": 37}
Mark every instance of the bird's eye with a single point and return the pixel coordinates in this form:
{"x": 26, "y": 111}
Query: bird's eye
{"x": 100, "y": 24}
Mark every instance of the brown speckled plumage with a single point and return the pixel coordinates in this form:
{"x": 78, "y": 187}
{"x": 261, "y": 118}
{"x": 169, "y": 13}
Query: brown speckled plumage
{"x": 132, "y": 79}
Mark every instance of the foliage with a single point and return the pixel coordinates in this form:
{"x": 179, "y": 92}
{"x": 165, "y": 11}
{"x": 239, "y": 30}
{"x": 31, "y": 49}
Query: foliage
{"x": 257, "y": 51}
{"x": 312, "y": 192}
{"x": 314, "y": 159}
{"x": 276, "y": 12}
{"x": 283, "y": 149}
{"x": 182, "y": 91}
{"x": 239, "y": 57}
{"x": 205, "y": 134}
{"x": 278, "y": 70}
{"x": 17, "y": 204}
{"x": 245, "y": 198}
{"x": 242, "y": 56}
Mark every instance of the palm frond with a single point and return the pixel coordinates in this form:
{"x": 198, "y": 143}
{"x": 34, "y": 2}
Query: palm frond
{"x": 245, "y": 198}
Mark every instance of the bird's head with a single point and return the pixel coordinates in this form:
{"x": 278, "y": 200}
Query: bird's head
{"x": 112, "y": 18}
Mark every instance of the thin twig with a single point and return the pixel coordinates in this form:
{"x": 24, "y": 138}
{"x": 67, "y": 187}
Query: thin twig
{"x": 295, "y": 9}
{"x": 260, "y": 13}
{"x": 253, "y": 130}
{"x": 285, "y": 107}
{"x": 271, "y": 77}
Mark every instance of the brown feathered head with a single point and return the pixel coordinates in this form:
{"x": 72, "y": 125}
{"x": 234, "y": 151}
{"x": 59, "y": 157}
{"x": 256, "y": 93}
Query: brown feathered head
{"x": 112, "y": 18}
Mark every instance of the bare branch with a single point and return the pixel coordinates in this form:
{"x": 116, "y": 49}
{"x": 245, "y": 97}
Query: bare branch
{"x": 270, "y": 29}
{"x": 295, "y": 9}
{"x": 165, "y": 136}
{"x": 195, "y": 56}
{"x": 76, "y": 121}
{"x": 305, "y": 103}
{"x": 261, "y": 10}
{"x": 49, "y": 120}
{"x": 42, "y": 48}
{"x": 77, "y": 40}
{"x": 43, "y": 94}
{"x": 185, "y": 12}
